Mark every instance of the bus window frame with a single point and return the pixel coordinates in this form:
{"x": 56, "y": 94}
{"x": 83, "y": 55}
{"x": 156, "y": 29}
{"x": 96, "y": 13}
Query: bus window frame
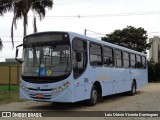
{"x": 96, "y": 54}
{"x": 132, "y": 60}
{"x": 125, "y": 59}
{"x": 144, "y": 67}
{"x": 85, "y": 67}
{"x": 137, "y": 62}
{"x": 113, "y": 64}
{"x": 118, "y": 58}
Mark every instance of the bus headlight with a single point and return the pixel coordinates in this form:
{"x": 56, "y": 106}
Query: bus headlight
{"x": 62, "y": 87}
{"x": 24, "y": 88}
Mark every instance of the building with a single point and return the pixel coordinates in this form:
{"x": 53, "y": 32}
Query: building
{"x": 154, "y": 51}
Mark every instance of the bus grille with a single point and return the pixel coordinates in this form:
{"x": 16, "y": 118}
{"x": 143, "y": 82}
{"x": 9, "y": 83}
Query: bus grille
{"x": 35, "y": 89}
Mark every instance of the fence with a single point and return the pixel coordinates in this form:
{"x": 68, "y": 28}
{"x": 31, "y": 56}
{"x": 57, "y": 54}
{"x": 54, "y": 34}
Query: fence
{"x": 9, "y": 77}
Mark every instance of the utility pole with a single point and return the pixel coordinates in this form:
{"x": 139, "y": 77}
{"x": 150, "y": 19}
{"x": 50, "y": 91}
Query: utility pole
{"x": 85, "y": 31}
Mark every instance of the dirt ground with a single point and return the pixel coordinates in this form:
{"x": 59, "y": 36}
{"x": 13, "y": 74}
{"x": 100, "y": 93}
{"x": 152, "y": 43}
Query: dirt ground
{"x": 146, "y": 99}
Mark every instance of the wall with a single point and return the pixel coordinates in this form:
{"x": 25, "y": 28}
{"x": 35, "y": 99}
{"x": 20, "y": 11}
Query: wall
{"x": 9, "y": 73}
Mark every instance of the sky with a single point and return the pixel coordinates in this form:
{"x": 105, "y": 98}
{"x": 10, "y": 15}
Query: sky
{"x": 100, "y": 16}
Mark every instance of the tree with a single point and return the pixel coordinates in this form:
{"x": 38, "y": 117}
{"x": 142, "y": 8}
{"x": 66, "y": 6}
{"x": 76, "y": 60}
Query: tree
{"x": 20, "y": 9}
{"x": 1, "y": 45}
{"x": 151, "y": 71}
{"x": 157, "y": 71}
{"x": 130, "y": 37}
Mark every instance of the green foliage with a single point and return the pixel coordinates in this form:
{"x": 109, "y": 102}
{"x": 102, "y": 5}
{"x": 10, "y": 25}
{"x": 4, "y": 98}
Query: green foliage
{"x": 20, "y": 9}
{"x": 157, "y": 71}
{"x": 4, "y": 88}
{"x": 7, "y": 97}
{"x": 153, "y": 72}
{"x": 5, "y": 6}
{"x": 130, "y": 37}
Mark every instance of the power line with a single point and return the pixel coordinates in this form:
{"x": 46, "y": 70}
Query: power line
{"x": 93, "y": 32}
{"x": 10, "y": 41}
{"x": 106, "y": 15}
{"x": 100, "y": 15}
{"x": 10, "y": 36}
{"x": 72, "y": 2}
{"x": 153, "y": 32}
{"x": 87, "y": 34}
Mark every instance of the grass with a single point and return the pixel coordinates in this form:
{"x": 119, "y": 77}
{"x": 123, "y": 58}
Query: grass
{"x": 8, "y": 97}
{"x": 4, "y": 88}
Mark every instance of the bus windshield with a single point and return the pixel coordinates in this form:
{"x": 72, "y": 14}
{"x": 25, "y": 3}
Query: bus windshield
{"x": 47, "y": 60}
{"x": 46, "y": 57}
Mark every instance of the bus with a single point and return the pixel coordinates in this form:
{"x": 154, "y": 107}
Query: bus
{"x": 70, "y": 67}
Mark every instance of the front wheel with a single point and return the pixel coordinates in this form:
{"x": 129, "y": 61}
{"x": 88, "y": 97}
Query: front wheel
{"x": 94, "y": 96}
{"x": 133, "y": 89}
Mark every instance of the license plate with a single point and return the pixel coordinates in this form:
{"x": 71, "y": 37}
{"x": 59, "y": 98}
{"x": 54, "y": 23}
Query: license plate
{"x": 39, "y": 96}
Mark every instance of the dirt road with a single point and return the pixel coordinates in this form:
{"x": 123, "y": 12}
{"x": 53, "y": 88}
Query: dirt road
{"x": 146, "y": 99}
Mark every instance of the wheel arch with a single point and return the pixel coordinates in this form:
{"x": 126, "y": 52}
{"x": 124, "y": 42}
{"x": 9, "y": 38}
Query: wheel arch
{"x": 134, "y": 80}
{"x": 98, "y": 85}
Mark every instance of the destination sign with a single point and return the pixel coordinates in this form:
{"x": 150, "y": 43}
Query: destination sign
{"x": 37, "y": 38}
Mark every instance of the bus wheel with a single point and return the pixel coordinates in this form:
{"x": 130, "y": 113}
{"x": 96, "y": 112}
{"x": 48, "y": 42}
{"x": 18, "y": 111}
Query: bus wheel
{"x": 133, "y": 89}
{"x": 94, "y": 96}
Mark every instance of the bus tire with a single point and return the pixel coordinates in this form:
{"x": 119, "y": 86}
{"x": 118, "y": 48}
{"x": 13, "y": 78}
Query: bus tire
{"x": 133, "y": 89}
{"x": 93, "y": 97}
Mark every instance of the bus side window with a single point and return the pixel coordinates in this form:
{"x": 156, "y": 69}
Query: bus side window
{"x": 95, "y": 54}
{"x": 108, "y": 56}
{"x": 144, "y": 62}
{"x": 138, "y": 61}
{"x": 132, "y": 60}
{"x": 118, "y": 58}
{"x": 79, "y": 57}
{"x": 126, "y": 59}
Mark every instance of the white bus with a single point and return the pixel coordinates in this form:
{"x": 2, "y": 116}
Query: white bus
{"x": 69, "y": 67}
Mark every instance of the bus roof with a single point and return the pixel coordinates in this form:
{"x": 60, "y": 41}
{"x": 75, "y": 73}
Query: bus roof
{"x": 73, "y": 35}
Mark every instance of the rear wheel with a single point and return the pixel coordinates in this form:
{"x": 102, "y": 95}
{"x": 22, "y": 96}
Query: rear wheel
{"x": 94, "y": 96}
{"x": 133, "y": 89}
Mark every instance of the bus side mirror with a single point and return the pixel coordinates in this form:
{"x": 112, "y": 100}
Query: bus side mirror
{"x": 17, "y": 51}
{"x": 78, "y": 56}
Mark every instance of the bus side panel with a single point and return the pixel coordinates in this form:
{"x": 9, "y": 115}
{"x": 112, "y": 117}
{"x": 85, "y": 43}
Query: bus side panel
{"x": 107, "y": 89}
{"x": 101, "y": 75}
{"x": 79, "y": 90}
{"x": 142, "y": 78}
{"x": 112, "y": 80}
